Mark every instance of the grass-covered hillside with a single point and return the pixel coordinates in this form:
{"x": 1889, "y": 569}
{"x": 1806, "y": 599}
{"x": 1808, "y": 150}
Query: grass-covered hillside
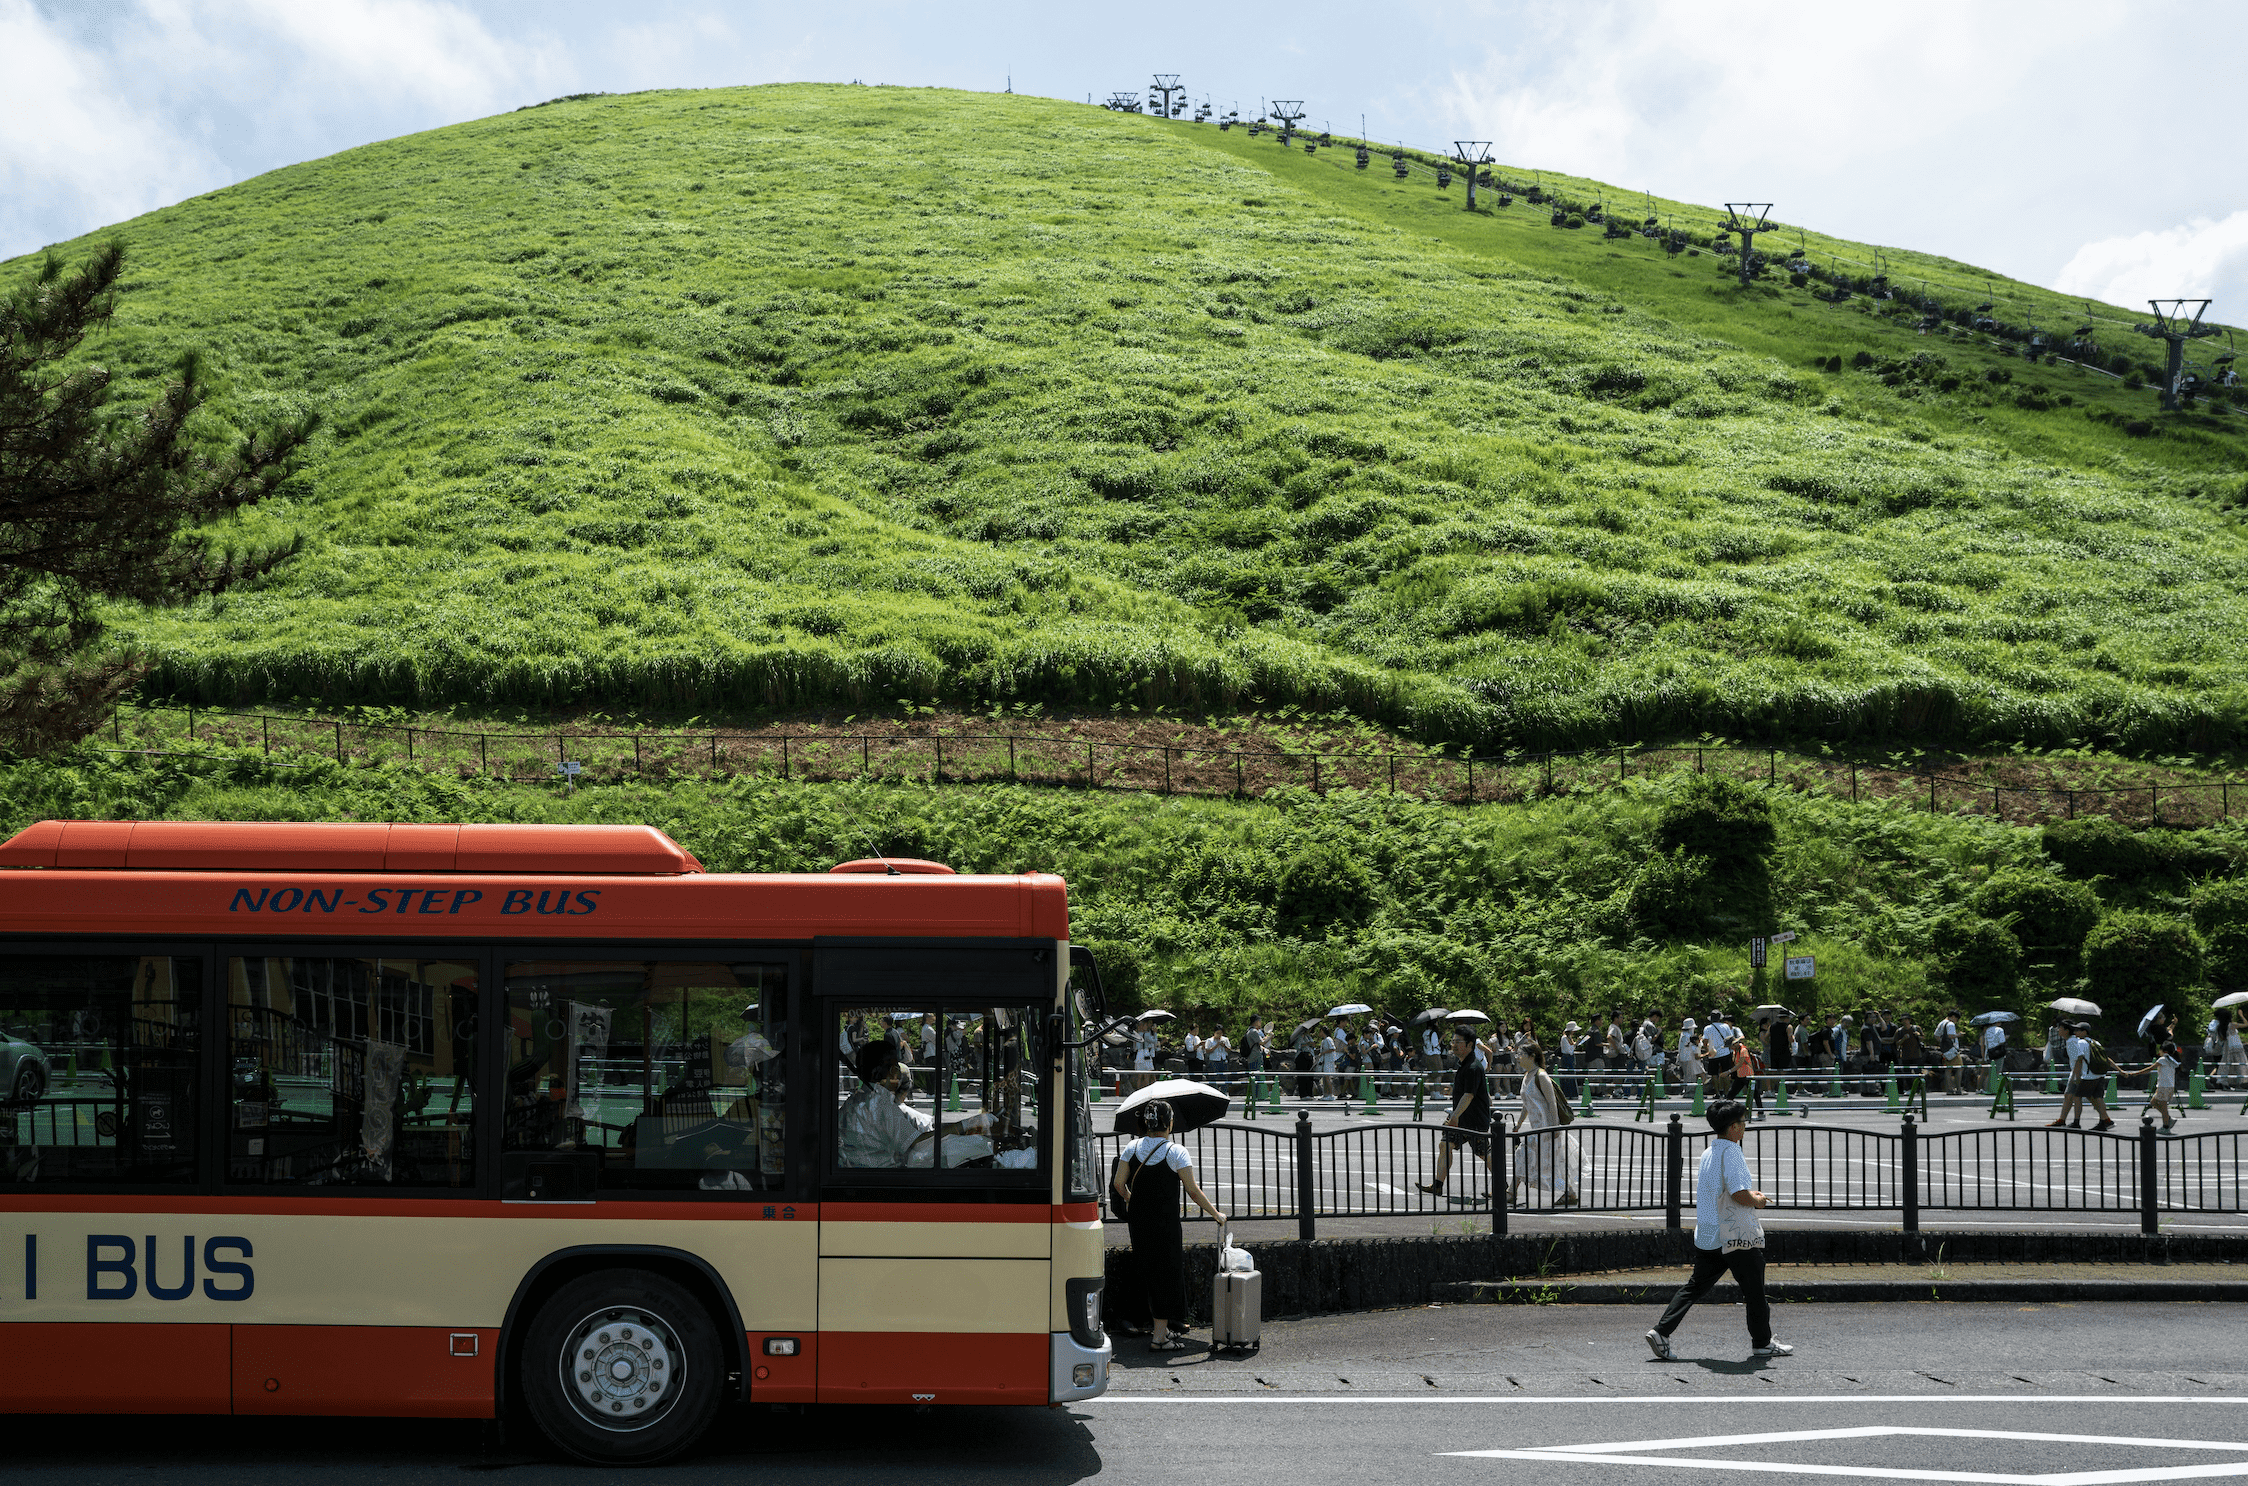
{"x": 764, "y": 397}
{"x": 1641, "y": 898}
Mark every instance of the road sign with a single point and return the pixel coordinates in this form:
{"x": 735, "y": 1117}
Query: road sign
{"x": 1801, "y": 967}
{"x": 1756, "y": 954}
{"x": 1787, "y": 938}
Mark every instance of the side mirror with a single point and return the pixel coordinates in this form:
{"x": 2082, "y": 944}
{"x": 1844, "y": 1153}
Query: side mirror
{"x": 1092, "y": 1006}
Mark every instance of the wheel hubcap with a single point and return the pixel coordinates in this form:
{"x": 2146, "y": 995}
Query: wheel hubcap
{"x": 620, "y": 1368}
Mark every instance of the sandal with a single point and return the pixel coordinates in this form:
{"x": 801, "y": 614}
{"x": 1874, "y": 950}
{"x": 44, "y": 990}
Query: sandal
{"x": 1430, "y": 1186}
{"x": 1168, "y": 1344}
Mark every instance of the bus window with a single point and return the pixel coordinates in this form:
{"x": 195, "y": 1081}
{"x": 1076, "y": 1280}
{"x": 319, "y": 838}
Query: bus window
{"x": 97, "y": 1068}
{"x": 649, "y": 1075}
{"x": 937, "y": 1088}
{"x": 351, "y": 1072}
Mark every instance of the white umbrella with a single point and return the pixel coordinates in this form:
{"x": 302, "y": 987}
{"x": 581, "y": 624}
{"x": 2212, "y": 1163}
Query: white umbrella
{"x": 2070, "y": 1006}
{"x": 2146, "y": 1023}
{"x": 1989, "y": 1018}
{"x": 1157, "y": 1016}
{"x": 2235, "y": 999}
{"x": 1467, "y": 1016}
{"x": 1351, "y": 1008}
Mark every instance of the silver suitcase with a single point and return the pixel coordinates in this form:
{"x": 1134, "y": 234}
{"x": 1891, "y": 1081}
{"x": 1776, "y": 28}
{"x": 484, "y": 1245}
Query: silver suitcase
{"x": 1236, "y": 1309}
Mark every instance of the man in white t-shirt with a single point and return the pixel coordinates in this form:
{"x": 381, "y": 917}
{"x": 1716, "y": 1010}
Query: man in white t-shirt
{"x": 1143, "y": 1054}
{"x": 1727, "y": 1236}
{"x": 1330, "y": 1052}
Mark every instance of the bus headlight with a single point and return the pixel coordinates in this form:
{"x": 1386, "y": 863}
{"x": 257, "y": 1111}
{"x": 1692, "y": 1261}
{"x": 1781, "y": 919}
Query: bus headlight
{"x": 1084, "y": 1312}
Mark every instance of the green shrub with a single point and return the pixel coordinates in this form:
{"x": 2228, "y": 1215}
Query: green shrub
{"x": 2132, "y": 960}
{"x": 1979, "y": 958}
{"x": 1717, "y": 817}
{"x": 1120, "y": 962}
{"x": 2047, "y": 912}
{"x": 2100, "y": 847}
{"x": 1672, "y": 897}
{"x": 1324, "y": 887}
{"x": 2220, "y": 915}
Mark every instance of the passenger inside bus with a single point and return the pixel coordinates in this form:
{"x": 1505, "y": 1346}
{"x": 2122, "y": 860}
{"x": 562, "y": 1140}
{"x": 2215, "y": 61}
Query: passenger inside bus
{"x": 880, "y": 1130}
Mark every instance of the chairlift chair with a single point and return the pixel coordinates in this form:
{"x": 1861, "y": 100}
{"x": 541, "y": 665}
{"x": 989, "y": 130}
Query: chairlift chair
{"x": 1365, "y": 157}
{"x": 1559, "y": 217}
{"x": 1323, "y": 139}
{"x": 1443, "y": 177}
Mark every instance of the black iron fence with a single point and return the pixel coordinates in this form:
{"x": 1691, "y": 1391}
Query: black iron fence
{"x": 963, "y": 756}
{"x": 1383, "y": 1169}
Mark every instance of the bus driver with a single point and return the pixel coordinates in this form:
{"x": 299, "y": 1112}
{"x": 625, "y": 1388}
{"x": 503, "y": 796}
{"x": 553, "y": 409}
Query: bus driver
{"x": 878, "y": 1130}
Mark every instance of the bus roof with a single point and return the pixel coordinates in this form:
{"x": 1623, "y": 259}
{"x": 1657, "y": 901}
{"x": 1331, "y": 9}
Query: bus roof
{"x": 372, "y": 879}
{"x": 303, "y": 846}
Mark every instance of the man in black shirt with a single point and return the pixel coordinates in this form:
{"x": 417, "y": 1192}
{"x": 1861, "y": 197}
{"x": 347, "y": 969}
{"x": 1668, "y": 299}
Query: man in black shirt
{"x": 1469, "y": 1123}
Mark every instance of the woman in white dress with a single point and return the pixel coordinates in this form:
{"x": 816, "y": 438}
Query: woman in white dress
{"x": 1550, "y": 1158}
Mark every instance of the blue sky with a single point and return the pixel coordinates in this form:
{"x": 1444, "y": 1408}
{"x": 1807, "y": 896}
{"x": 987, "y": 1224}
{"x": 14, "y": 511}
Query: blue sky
{"x": 2088, "y": 146}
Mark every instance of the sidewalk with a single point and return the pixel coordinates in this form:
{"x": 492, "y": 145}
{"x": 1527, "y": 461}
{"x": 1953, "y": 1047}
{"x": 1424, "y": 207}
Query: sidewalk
{"x": 1807, "y": 1283}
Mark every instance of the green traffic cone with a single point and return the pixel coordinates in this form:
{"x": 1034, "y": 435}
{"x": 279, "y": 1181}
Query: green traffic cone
{"x": 952, "y": 1100}
{"x": 1366, "y": 1087}
{"x": 2115, "y": 1088}
{"x": 1834, "y": 1086}
{"x": 1272, "y": 1091}
{"x": 1698, "y": 1111}
{"x": 1584, "y": 1107}
{"x": 1894, "y": 1106}
{"x": 2197, "y": 1089}
{"x": 2050, "y": 1086}
{"x": 1420, "y": 1096}
{"x": 1781, "y": 1106}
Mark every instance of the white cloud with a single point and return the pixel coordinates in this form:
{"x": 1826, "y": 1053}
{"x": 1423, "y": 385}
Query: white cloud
{"x": 77, "y": 149}
{"x": 148, "y": 101}
{"x": 2201, "y": 258}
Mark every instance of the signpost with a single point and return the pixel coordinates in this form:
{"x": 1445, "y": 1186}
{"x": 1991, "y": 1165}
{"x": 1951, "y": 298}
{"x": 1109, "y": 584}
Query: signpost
{"x": 1756, "y": 954}
{"x": 1759, "y": 950}
{"x": 569, "y": 769}
{"x": 1801, "y": 967}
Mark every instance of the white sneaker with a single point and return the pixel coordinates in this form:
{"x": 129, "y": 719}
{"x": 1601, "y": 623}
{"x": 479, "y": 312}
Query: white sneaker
{"x": 1661, "y": 1346}
{"x": 1774, "y": 1349}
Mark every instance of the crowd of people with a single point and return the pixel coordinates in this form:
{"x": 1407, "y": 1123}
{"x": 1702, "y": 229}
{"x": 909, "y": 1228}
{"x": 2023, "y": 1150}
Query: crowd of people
{"x": 1749, "y": 1054}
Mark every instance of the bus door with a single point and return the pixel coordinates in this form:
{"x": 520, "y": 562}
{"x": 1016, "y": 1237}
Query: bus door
{"x": 936, "y": 1216}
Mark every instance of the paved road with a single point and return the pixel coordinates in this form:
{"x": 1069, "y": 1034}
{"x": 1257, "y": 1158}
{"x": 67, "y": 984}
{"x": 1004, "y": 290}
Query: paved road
{"x": 1981, "y": 1393}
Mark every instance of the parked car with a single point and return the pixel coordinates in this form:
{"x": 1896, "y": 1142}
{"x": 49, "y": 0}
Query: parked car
{"x": 23, "y": 1066}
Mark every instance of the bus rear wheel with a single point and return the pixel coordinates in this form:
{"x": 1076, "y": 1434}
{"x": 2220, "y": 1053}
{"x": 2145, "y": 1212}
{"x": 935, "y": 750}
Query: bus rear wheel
{"x": 622, "y": 1367}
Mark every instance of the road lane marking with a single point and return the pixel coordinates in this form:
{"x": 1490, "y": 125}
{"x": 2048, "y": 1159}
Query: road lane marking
{"x": 1767, "y": 1400}
{"x": 1633, "y": 1452}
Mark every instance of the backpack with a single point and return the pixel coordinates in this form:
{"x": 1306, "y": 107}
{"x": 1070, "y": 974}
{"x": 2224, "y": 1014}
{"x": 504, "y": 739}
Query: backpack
{"x": 2098, "y": 1061}
{"x": 1560, "y": 1104}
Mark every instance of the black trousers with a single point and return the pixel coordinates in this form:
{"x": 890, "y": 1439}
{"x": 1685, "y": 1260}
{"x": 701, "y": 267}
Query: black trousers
{"x": 1710, "y": 1265}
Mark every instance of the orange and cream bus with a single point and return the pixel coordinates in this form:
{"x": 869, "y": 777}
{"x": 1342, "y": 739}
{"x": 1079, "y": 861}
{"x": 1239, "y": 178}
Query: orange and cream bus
{"x": 535, "y": 1121}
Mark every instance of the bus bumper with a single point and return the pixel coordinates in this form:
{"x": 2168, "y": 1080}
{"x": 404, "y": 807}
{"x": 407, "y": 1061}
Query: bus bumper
{"x": 1080, "y": 1371}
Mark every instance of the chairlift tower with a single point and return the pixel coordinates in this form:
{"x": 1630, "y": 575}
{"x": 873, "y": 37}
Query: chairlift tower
{"x": 1473, "y": 155}
{"x": 1166, "y": 83}
{"x": 1748, "y": 219}
{"x": 2175, "y": 327}
{"x": 1287, "y": 111}
{"x": 1124, "y": 103}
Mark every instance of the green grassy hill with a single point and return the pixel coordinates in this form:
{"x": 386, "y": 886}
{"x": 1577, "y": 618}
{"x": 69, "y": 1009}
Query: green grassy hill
{"x": 771, "y": 397}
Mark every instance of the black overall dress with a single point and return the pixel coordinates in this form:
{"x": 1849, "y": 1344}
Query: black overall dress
{"x": 1158, "y": 1240}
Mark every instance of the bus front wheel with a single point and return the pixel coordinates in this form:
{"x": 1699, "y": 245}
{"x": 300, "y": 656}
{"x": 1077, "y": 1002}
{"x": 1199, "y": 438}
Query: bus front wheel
{"x": 622, "y": 1367}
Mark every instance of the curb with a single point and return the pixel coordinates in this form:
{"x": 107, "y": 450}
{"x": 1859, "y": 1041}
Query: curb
{"x": 1803, "y": 1292}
